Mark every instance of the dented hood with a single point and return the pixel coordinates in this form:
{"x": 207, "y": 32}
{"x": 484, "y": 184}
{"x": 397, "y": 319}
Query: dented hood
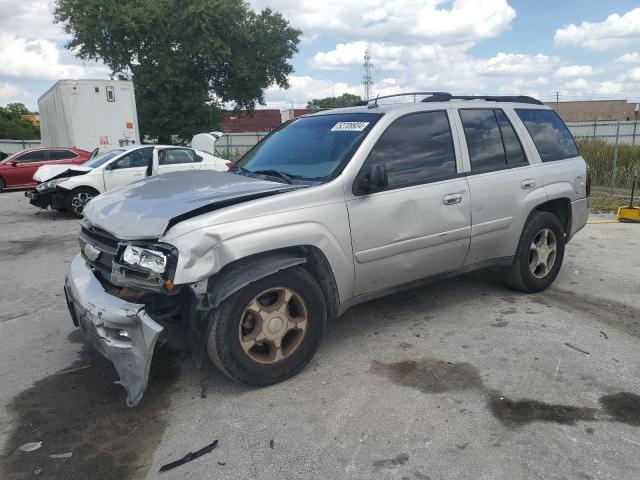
{"x": 49, "y": 172}
{"x": 146, "y": 208}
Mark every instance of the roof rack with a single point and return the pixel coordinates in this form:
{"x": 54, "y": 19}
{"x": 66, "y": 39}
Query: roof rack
{"x": 446, "y": 96}
{"x": 362, "y": 103}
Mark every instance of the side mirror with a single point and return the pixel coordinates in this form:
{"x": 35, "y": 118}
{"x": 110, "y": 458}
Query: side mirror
{"x": 374, "y": 179}
{"x": 14, "y": 164}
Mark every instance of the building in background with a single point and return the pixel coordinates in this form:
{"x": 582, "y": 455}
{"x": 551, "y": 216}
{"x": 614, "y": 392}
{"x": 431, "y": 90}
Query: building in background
{"x": 258, "y": 121}
{"x": 592, "y": 110}
{"x": 33, "y": 119}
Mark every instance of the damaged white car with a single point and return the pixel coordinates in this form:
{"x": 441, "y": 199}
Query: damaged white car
{"x": 70, "y": 187}
{"x": 330, "y": 210}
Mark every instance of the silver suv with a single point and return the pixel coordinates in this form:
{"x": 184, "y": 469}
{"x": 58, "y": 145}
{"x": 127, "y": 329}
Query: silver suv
{"x": 330, "y": 210}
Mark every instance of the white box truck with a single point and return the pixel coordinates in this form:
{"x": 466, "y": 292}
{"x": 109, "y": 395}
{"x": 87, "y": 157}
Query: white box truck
{"x": 89, "y": 114}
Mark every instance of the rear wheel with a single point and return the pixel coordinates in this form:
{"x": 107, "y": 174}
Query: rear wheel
{"x": 1, "y": 184}
{"x": 270, "y": 329}
{"x": 539, "y": 255}
{"x": 77, "y": 199}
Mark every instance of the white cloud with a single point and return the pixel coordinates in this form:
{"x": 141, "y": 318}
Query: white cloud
{"x": 572, "y": 71}
{"x": 304, "y": 88}
{"x": 614, "y": 31}
{"x": 632, "y": 75}
{"x": 631, "y": 57}
{"x": 40, "y": 59}
{"x": 10, "y": 93}
{"x": 460, "y": 21}
{"x": 30, "y": 19}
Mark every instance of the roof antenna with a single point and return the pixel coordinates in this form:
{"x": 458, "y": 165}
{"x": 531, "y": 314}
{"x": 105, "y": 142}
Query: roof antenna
{"x": 375, "y": 103}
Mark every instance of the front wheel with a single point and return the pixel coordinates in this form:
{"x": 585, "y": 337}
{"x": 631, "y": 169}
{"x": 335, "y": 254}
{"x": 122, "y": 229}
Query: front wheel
{"x": 77, "y": 199}
{"x": 1, "y": 184}
{"x": 270, "y": 329}
{"x": 539, "y": 255}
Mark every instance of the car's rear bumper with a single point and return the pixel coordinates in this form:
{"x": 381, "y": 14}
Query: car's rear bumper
{"x": 580, "y": 211}
{"x": 118, "y": 329}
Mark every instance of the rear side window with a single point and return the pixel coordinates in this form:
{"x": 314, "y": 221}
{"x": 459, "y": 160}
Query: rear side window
{"x": 61, "y": 155}
{"x": 491, "y": 140}
{"x": 415, "y": 149}
{"x": 550, "y": 135}
{"x": 175, "y": 156}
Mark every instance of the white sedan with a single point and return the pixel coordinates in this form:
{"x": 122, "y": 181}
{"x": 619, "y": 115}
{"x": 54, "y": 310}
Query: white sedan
{"x": 70, "y": 187}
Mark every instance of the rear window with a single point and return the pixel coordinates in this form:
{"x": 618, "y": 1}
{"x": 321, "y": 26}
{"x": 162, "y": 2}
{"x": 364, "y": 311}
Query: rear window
{"x": 551, "y": 136}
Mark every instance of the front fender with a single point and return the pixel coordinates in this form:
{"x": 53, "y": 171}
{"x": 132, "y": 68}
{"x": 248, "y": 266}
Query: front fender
{"x": 204, "y": 252}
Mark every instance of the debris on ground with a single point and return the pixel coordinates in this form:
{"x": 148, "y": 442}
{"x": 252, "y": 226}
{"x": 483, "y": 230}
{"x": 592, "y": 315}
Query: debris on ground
{"x": 578, "y": 349}
{"x": 271, "y": 444}
{"x": 30, "y": 446}
{"x": 203, "y": 387}
{"x": 37, "y": 472}
{"x": 606, "y": 337}
{"x": 189, "y": 456}
{"x": 221, "y": 463}
{"x": 61, "y": 455}
{"x": 72, "y": 370}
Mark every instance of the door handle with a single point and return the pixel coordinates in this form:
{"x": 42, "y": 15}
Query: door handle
{"x": 452, "y": 199}
{"x": 528, "y": 184}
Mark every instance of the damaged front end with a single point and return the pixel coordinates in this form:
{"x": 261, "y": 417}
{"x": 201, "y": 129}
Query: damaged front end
{"x": 123, "y": 305}
{"x": 119, "y": 329}
{"x": 47, "y": 194}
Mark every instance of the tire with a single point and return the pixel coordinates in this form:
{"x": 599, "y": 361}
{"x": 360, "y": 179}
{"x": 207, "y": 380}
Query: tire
{"x": 529, "y": 271}
{"x": 233, "y": 320}
{"x": 2, "y": 184}
{"x": 76, "y": 200}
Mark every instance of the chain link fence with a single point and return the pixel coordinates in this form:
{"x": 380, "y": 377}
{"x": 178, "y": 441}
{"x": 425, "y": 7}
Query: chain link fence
{"x": 612, "y": 151}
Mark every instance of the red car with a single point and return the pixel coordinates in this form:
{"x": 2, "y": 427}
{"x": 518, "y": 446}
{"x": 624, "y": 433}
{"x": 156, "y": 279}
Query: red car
{"x": 16, "y": 171}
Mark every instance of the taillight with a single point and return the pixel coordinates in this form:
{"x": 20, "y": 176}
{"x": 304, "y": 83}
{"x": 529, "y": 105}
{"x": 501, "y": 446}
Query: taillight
{"x": 588, "y": 185}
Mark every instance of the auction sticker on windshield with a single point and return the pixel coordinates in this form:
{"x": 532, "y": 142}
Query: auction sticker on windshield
{"x": 349, "y": 126}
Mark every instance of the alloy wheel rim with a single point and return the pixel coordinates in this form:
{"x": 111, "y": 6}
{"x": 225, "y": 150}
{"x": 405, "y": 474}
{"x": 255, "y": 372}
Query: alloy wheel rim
{"x": 543, "y": 253}
{"x": 273, "y": 325}
{"x": 79, "y": 200}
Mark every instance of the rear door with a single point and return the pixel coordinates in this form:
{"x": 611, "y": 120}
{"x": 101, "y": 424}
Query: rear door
{"x": 129, "y": 168}
{"x": 504, "y": 185}
{"x": 25, "y": 167}
{"x": 420, "y": 225}
{"x": 176, "y": 160}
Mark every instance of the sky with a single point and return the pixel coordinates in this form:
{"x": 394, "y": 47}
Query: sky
{"x": 575, "y": 49}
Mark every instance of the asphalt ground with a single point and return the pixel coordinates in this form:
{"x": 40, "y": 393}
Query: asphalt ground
{"x": 462, "y": 379}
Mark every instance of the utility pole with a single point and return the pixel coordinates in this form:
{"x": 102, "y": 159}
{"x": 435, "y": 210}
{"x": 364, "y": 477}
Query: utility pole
{"x": 557, "y": 102}
{"x": 367, "y": 80}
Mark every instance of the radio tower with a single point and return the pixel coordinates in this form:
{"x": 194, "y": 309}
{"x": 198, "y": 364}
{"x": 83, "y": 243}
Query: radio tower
{"x": 367, "y": 80}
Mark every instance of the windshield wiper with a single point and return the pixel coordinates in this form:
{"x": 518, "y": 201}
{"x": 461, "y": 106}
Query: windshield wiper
{"x": 274, "y": 173}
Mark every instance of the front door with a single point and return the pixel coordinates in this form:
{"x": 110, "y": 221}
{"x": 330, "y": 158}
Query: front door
{"x": 129, "y": 168}
{"x": 25, "y": 167}
{"x": 420, "y": 225}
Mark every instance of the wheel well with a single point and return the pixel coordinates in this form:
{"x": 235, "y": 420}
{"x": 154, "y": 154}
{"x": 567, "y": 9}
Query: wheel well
{"x": 84, "y": 187}
{"x": 561, "y": 208}
{"x": 316, "y": 264}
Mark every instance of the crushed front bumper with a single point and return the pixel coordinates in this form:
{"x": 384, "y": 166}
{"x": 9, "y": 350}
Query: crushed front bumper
{"x": 42, "y": 200}
{"x": 118, "y": 329}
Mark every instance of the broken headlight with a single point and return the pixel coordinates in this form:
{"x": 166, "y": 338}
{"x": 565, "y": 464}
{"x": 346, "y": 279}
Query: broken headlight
{"x": 50, "y": 185}
{"x": 153, "y": 260}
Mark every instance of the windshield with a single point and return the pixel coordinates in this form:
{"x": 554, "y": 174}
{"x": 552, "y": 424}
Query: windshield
{"x": 101, "y": 159}
{"x": 309, "y": 148}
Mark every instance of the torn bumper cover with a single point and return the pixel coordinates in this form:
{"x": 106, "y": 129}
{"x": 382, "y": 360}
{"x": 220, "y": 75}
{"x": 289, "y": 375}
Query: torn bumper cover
{"x": 118, "y": 329}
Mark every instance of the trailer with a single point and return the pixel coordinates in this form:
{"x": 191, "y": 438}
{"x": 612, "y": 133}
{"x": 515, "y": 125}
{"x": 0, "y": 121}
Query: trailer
{"x": 89, "y": 114}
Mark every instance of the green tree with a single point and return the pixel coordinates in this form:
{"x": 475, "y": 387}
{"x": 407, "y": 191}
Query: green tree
{"x": 18, "y": 109}
{"x": 13, "y": 126}
{"x": 185, "y": 57}
{"x": 344, "y": 100}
